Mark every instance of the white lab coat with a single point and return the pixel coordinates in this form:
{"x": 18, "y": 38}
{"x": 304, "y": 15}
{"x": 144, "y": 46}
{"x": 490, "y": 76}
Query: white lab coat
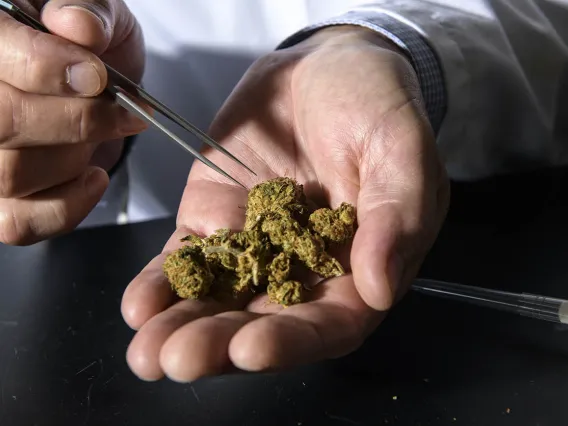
{"x": 505, "y": 64}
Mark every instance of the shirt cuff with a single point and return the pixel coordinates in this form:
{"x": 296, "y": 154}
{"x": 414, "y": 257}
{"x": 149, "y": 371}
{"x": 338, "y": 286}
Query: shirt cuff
{"x": 422, "y": 55}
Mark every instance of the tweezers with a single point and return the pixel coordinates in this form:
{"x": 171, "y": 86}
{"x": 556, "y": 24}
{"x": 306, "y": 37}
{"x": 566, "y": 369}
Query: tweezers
{"x": 119, "y": 86}
{"x": 535, "y": 306}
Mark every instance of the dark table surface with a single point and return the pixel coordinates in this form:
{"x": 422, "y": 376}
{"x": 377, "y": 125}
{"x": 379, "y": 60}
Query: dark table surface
{"x": 433, "y": 362}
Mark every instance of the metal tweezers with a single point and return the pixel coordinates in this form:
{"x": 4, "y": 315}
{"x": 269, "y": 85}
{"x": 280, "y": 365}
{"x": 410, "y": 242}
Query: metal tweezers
{"x": 120, "y": 87}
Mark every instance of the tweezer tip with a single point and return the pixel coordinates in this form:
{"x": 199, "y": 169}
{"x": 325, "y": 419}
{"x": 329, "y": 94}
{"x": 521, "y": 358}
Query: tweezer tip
{"x": 215, "y": 145}
{"x": 240, "y": 162}
{"x": 238, "y": 183}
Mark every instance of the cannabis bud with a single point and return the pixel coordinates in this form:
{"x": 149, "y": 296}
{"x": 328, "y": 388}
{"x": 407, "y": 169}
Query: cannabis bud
{"x": 279, "y": 236}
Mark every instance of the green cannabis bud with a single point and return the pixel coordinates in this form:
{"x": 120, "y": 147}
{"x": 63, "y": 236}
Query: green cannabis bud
{"x": 334, "y": 226}
{"x": 279, "y": 236}
{"x": 189, "y": 273}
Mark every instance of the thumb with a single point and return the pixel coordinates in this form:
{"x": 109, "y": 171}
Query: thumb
{"x": 377, "y": 262}
{"x": 97, "y": 25}
{"x": 401, "y": 208}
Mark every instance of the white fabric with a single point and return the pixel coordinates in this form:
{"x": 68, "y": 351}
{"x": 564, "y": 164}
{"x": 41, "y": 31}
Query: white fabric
{"x": 250, "y": 25}
{"x": 505, "y": 63}
{"x": 506, "y": 67}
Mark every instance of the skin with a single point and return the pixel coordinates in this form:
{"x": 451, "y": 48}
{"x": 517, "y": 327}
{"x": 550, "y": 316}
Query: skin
{"x": 341, "y": 113}
{"x": 56, "y": 143}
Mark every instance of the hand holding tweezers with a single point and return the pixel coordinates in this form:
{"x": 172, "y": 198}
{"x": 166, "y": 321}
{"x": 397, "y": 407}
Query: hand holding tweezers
{"x": 124, "y": 90}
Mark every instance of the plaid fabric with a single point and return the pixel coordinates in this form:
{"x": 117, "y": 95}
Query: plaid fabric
{"x": 422, "y": 55}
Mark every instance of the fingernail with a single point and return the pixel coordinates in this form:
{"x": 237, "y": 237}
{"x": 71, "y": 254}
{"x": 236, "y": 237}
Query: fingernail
{"x": 395, "y": 271}
{"x": 83, "y": 78}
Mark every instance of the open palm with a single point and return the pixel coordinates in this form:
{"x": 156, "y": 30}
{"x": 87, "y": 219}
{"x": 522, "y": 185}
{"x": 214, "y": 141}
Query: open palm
{"x": 340, "y": 113}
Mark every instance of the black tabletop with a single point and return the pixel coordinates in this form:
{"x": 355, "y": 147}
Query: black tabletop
{"x": 433, "y": 362}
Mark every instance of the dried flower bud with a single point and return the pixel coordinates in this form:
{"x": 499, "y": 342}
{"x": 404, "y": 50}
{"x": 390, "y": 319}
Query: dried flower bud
{"x": 262, "y": 257}
{"x": 336, "y": 226}
{"x": 188, "y": 273}
{"x": 281, "y": 196}
{"x": 286, "y": 294}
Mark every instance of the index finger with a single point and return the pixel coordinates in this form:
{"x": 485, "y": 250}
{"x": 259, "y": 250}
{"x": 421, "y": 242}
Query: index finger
{"x": 97, "y": 25}
{"x": 335, "y": 324}
{"x": 45, "y": 64}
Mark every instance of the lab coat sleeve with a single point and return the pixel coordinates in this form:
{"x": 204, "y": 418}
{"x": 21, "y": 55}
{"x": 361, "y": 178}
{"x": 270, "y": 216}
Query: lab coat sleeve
{"x": 494, "y": 76}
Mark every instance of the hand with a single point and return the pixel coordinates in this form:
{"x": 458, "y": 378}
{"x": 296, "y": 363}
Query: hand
{"x": 341, "y": 113}
{"x": 57, "y": 137}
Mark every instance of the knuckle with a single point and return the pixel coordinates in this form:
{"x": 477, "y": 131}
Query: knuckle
{"x": 79, "y": 120}
{"x": 58, "y": 217}
{"x": 25, "y": 57}
{"x": 12, "y": 113}
{"x": 89, "y": 120}
{"x": 10, "y": 229}
{"x": 33, "y": 67}
{"x": 8, "y": 178}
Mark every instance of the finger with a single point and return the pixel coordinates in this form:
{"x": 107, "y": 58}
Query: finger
{"x": 33, "y": 120}
{"x": 376, "y": 264}
{"x": 41, "y": 63}
{"x": 27, "y": 171}
{"x": 94, "y": 24}
{"x": 150, "y": 293}
{"x": 52, "y": 212}
{"x": 66, "y": 62}
{"x": 106, "y": 28}
{"x": 333, "y": 325}
{"x": 200, "y": 348}
{"x": 143, "y": 354}
{"x": 147, "y": 295}
{"x": 107, "y": 154}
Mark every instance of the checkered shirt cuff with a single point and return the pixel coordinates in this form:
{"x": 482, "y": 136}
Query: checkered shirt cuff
{"x": 422, "y": 55}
